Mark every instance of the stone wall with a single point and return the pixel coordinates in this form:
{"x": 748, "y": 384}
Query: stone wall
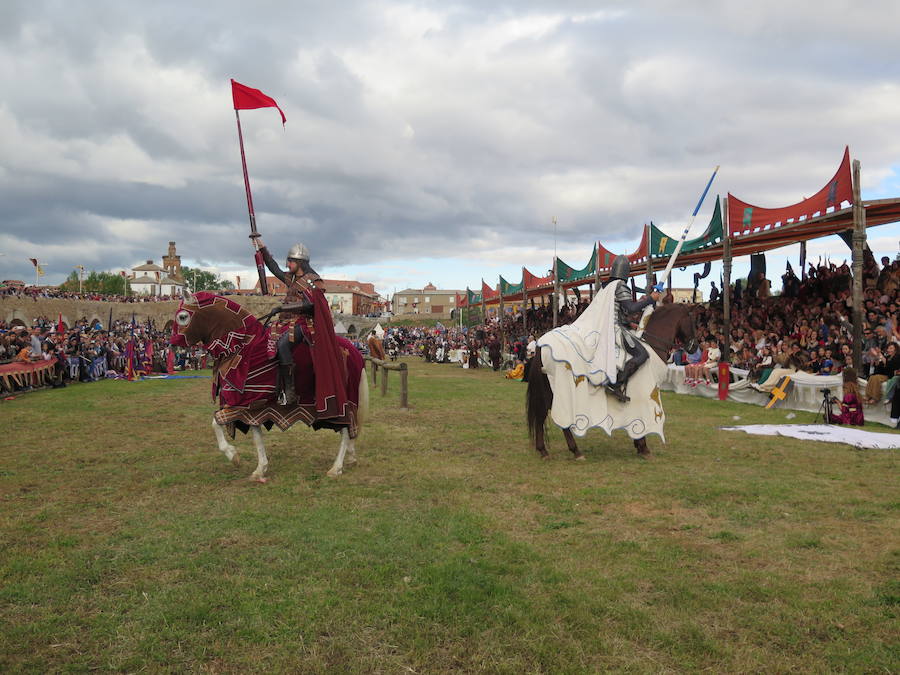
{"x": 26, "y": 309}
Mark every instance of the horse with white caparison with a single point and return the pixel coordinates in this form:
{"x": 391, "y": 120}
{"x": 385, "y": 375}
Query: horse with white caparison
{"x": 567, "y": 377}
{"x": 244, "y": 379}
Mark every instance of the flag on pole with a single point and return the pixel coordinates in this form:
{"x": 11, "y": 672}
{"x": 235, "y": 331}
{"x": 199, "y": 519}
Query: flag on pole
{"x": 59, "y": 325}
{"x": 247, "y": 98}
{"x": 34, "y": 261}
{"x": 109, "y": 323}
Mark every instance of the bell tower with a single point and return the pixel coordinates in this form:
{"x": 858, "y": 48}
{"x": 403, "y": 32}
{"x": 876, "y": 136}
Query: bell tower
{"x": 172, "y": 263}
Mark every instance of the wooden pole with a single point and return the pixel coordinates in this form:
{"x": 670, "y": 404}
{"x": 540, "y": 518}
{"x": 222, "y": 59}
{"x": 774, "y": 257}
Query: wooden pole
{"x": 859, "y": 244}
{"x": 803, "y": 261}
{"x": 726, "y": 285}
{"x": 502, "y": 317}
{"x": 483, "y": 314}
{"x": 649, "y": 259}
{"x": 524, "y": 307}
{"x": 404, "y": 386}
{"x": 254, "y": 235}
{"x": 597, "y": 268}
{"x": 384, "y": 379}
{"x": 555, "y": 302}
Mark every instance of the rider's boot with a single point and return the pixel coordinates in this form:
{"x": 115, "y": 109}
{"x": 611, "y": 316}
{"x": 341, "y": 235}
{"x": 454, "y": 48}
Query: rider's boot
{"x": 618, "y": 389}
{"x": 286, "y": 393}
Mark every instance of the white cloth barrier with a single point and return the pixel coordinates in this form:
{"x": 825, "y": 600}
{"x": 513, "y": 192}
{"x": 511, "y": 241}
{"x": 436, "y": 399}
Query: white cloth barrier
{"x": 806, "y": 394}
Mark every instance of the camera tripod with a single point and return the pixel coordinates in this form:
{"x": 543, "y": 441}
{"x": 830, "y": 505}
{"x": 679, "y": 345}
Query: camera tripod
{"x": 824, "y": 408}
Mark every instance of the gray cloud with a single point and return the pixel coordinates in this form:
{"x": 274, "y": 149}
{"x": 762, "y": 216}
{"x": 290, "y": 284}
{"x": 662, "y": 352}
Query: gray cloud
{"x": 424, "y": 128}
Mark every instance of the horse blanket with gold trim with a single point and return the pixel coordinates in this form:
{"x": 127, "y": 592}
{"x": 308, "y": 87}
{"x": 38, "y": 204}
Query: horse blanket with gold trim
{"x": 579, "y": 359}
{"x": 244, "y": 376}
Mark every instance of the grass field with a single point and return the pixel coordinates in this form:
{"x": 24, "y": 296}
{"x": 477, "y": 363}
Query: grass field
{"x": 129, "y": 543}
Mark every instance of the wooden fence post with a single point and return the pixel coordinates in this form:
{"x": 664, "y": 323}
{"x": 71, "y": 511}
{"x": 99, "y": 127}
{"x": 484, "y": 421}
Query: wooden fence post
{"x": 404, "y": 386}
{"x": 384, "y": 379}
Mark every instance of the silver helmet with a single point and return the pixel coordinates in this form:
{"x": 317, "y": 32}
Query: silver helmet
{"x": 298, "y": 252}
{"x": 621, "y": 268}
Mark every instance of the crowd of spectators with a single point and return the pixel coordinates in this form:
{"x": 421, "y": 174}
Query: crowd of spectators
{"x": 88, "y": 352}
{"x": 805, "y": 327}
{"x": 50, "y": 292}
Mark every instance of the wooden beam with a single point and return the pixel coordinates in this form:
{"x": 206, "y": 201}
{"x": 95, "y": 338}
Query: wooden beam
{"x": 726, "y": 286}
{"x": 859, "y": 244}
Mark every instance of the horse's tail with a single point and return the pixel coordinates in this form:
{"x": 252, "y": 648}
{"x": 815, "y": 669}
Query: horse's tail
{"x": 538, "y": 396}
{"x": 362, "y": 413}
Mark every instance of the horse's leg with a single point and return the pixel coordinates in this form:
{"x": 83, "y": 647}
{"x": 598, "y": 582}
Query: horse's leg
{"x": 350, "y": 460}
{"x": 226, "y": 447}
{"x": 643, "y": 450}
{"x": 573, "y": 446}
{"x": 262, "y": 461}
{"x": 338, "y": 467}
{"x": 539, "y": 443}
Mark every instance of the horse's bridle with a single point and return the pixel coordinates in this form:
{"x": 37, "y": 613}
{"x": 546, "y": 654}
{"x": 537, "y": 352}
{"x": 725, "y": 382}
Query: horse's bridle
{"x": 666, "y": 345}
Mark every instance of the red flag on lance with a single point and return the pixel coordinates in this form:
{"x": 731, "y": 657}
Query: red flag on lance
{"x": 247, "y": 98}
{"x": 59, "y": 325}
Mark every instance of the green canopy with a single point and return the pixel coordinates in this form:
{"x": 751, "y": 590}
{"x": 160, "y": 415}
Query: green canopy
{"x": 507, "y": 288}
{"x": 662, "y": 244}
{"x": 565, "y": 273}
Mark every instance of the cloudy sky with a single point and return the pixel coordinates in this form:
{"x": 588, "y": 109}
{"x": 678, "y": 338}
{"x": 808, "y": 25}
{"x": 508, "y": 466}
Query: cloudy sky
{"x": 426, "y": 141}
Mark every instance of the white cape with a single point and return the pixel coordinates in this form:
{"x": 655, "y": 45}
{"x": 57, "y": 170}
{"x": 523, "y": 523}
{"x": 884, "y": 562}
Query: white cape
{"x": 579, "y": 359}
{"x": 587, "y": 345}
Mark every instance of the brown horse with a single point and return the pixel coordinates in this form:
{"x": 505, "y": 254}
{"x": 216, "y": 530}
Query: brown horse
{"x": 244, "y": 379}
{"x": 666, "y": 324}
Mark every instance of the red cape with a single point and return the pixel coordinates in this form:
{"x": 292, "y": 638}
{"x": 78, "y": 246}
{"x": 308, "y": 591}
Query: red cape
{"x": 329, "y": 364}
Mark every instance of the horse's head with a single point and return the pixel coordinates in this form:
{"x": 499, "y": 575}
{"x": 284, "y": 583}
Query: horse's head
{"x": 671, "y": 323}
{"x": 686, "y": 330}
{"x": 204, "y": 316}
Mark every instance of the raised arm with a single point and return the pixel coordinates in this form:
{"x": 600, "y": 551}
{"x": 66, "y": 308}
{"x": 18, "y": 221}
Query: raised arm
{"x": 272, "y": 265}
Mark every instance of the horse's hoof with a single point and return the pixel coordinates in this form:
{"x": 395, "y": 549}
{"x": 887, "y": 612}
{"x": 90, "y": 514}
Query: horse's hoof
{"x": 545, "y": 458}
{"x": 236, "y": 459}
{"x": 644, "y": 454}
{"x": 257, "y": 479}
{"x": 350, "y": 461}
{"x": 580, "y": 458}
{"x": 334, "y": 474}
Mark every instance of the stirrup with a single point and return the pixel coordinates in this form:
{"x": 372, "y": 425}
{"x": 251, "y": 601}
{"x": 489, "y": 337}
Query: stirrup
{"x": 618, "y": 391}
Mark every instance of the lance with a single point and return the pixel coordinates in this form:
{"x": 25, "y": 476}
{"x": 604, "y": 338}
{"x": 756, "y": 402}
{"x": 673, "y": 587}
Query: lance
{"x": 254, "y": 235}
{"x": 665, "y": 275}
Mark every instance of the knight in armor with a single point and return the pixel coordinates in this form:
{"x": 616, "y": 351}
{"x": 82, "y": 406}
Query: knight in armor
{"x": 627, "y": 309}
{"x": 306, "y": 318}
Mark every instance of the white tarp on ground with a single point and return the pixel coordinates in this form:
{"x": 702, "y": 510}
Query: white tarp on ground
{"x": 806, "y": 394}
{"x": 825, "y": 432}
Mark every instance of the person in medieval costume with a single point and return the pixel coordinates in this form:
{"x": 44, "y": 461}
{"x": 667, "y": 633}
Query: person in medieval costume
{"x": 306, "y": 317}
{"x": 626, "y": 310}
